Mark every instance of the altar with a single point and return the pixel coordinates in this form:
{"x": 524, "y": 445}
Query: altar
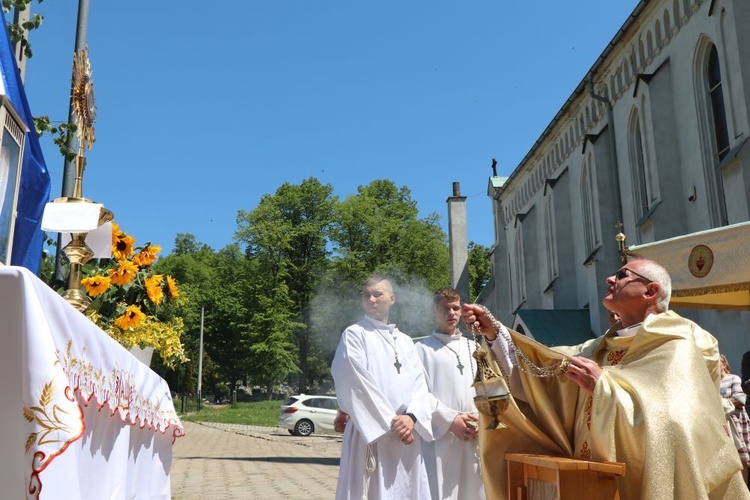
{"x": 82, "y": 418}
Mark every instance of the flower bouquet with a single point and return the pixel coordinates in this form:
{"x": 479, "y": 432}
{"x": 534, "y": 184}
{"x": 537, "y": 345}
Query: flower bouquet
{"x": 127, "y": 295}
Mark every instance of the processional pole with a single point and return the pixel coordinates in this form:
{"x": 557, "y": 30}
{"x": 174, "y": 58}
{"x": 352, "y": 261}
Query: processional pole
{"x": 69, "y": 165}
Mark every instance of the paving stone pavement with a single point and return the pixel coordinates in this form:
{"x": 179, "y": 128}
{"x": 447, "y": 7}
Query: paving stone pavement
{"x": 229, "y": 461}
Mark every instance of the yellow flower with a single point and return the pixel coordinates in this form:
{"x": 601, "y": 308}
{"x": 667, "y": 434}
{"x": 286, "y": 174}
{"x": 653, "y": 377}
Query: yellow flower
{"x": 123, "y": 247}
{"x": 124, "y": 274}
{"x": 147, "y": 256}
{"x": 96, "y": 285}
{"x": 172, "y": 286}
{"x": 153, "y": 288}
{"x": 115, "y": 232}
{"x": 132, "y": 317}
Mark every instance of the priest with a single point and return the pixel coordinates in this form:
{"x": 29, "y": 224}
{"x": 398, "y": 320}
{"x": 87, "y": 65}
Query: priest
{"x": 452, "y": 459}
{"x": 645, "y": 394}
{"x": 380, "y": 383}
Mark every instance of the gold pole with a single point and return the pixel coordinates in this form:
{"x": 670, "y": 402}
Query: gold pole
{"x": 78, "y": 253}
{"x": 620, "y": 238}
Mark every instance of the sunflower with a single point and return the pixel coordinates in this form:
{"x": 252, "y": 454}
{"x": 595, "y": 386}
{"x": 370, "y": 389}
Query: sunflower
{"x": 147, "y": 256}
{"x": 172, "y": 286}
{"x": 96, "y": 285}
{"x": 123, "y": 248}
{"x": 124, "y": 274}
{"x": 153, "y": 288}
{"x": 132, "y": 317}
{"x": 115, "y": 233}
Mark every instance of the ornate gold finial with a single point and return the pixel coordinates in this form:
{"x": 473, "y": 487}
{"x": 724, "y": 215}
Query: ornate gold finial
{"x": 83, "y": 99}
{"x": 620, "y": 238}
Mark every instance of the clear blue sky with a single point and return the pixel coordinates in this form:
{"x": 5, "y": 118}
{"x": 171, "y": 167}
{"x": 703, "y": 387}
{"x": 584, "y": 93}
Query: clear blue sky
{"x": 204, "y": 107}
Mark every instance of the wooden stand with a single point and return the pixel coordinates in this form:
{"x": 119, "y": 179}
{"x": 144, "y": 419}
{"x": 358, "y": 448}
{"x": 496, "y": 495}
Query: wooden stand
{"x": 540, "y": 477}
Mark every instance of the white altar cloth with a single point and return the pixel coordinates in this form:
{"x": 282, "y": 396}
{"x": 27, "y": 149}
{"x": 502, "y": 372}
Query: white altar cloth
{"x": 82, "y": 418}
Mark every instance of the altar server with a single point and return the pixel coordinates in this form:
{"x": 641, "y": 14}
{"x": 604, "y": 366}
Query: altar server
{"x": 453, "y": 458}
{"x": 381, "y": 385}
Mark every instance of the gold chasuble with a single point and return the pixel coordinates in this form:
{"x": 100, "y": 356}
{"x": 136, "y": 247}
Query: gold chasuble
{"x": 656, "y": 408}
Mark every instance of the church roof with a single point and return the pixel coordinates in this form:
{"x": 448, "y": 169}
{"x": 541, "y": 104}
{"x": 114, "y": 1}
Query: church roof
{"x": 553, "y": 327}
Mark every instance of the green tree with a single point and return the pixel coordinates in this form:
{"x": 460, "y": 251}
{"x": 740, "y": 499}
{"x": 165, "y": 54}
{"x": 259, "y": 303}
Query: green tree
{"x": 287, "y": 232}
{"x": 378, "y": 229}
{"x": 480, "y": 268}
{"x": 273, "y": 355}
{"x": 215, "y": 282}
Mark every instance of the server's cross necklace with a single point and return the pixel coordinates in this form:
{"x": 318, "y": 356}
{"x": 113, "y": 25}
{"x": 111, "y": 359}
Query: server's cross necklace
{"x": 395, "y": 351}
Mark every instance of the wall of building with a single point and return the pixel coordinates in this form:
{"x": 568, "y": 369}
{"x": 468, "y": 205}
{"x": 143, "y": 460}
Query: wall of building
{"x": 648, "y": 160}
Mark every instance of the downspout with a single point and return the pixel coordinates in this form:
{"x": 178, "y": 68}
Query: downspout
{"x": 613, "y": 148}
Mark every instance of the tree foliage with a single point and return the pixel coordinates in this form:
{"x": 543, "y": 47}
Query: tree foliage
{"x": 277, "y": 301}
{"x": 287, "y": 232}
{"x": 480, "y": 268}
{"x": 378, "y": 229}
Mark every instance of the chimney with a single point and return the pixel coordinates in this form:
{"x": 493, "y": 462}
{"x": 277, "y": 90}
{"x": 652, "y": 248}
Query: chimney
{"x": 458, "y": 242}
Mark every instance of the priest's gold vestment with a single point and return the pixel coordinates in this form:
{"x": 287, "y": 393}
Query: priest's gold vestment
{"x": 656, "y": 408}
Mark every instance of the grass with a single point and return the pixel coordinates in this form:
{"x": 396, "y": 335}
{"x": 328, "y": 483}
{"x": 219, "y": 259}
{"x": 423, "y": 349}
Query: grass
{"x": 265, "y": 413}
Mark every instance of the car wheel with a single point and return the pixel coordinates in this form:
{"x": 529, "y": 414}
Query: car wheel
{"x": 304, "y": 428}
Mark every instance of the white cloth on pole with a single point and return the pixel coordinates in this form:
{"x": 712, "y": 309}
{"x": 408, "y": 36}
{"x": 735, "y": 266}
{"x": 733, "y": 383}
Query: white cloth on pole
{"x": 99, "y": 240}
{"x": 76, "y": 217}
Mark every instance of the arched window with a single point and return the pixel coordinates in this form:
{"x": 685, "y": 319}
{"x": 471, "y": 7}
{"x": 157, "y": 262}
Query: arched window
{"x": 718, "y": 110}
{"x": 519, "y": 270}
{"x": 550, "y": 238}
{"x": 713, "y": 127}
{"x": 642, "y": 178}
{"x": 590, "y": 217}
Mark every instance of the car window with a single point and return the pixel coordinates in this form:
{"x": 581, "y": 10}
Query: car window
{"x": 327, "y": 403}
{"x": 290, "y": 401}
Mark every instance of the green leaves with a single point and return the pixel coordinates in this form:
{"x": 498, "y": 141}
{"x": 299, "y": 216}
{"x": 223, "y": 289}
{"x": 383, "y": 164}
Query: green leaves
{"x": 59, "y": 133}
{"x": 17, "y": 32}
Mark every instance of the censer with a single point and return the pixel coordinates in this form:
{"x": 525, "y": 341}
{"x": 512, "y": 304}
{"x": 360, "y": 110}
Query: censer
{"x": 492, "y": 397}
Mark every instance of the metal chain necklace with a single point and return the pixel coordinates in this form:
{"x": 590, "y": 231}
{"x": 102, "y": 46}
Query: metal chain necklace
{"x": 460, "y": 365}
{"x": 397, "y": 364}
{"x": 530, "y": 367}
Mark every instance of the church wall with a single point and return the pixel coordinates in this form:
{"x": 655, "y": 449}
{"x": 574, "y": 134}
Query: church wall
{"x": 566, "y": 284}
{"x": 654, "y": 70}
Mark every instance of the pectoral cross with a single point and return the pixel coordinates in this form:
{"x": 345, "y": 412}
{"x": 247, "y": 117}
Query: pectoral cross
{"x": 460, "y": 367}
{"x": 398, "y": 366}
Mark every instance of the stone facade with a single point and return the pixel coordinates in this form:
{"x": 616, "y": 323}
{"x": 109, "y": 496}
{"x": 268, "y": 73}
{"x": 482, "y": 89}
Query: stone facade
{"x": 654, "y": 136}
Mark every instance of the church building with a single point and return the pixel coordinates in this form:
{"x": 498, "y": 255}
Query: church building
{"x": 652, "y": 143}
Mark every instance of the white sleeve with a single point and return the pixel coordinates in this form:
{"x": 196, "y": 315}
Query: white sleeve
{"x": 506, "y": 357}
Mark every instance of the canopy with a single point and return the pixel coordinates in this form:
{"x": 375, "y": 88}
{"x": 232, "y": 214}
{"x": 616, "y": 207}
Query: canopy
{"x": 709, "y": 269}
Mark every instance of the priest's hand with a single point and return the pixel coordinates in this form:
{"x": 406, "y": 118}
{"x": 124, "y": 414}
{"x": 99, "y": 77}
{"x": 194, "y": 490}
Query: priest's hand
{"x": 584, "y": 372}
{"x": 465, "y": 426}
{"x": 402, "y": 427}
{"x": 473, "y": 314}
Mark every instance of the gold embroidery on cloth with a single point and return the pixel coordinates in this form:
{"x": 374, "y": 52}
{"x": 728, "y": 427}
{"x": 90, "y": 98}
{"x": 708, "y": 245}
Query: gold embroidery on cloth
{"x": 53, "y": 425}
{"x": 614, "y": 357}
{"x": 118, "y": 390}
{"x": 53, "y": 428}
{"x": 48, "y": 417}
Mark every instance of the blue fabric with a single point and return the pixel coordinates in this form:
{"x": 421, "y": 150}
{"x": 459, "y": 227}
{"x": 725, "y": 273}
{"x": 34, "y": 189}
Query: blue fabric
{"x": 28, "y": 237}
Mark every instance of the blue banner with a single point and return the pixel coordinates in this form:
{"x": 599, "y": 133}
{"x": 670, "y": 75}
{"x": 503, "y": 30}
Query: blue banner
{"x": 28, "y": 237}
